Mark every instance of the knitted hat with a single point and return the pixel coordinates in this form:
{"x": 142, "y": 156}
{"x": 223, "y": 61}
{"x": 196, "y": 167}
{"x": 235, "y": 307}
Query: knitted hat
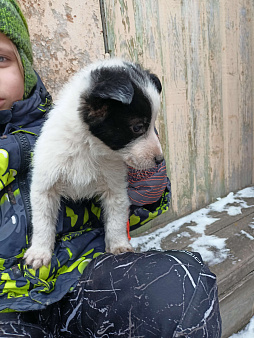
{"x": 14, "y": 26}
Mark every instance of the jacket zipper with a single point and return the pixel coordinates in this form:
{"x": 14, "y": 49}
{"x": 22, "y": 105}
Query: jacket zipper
{"x": 25, "y": 153}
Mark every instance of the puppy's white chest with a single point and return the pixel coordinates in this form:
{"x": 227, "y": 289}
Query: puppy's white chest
{"x": 77, "y": 181}
{"x": 85, "y": 178}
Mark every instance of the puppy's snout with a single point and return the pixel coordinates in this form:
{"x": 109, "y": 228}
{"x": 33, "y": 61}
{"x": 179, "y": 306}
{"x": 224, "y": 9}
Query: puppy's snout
{"x": 158, "y": 159}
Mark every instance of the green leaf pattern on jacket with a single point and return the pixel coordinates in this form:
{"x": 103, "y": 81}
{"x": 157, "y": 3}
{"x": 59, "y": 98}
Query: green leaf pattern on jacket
{"x": 7, "y": 175}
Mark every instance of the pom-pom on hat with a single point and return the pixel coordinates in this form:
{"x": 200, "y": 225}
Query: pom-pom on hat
{"x": 13, "y": 25}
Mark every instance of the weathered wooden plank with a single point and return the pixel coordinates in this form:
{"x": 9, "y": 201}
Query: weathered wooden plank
{"x": 214, "y": 78}
{"x": 197, "y": 95}
{"x": 178, "y": 241}
{"x": 179, "y": 128}
{"x": 252, "y": 68}
{"x": 238, "y": 86}
{"x": 230, "y": 80}
{"x": 245, "y": 65}
{"x": 236, "y": 306}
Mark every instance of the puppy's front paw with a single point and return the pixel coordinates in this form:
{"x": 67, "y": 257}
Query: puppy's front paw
{"x": 37, "y": 257}
{"x": 117, "y": 249}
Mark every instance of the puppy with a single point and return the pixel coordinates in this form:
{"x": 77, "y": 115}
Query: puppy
{"x": 103, "y": 120}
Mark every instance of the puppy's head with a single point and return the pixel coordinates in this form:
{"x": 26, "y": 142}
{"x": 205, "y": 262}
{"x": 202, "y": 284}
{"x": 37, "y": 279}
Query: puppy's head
{"x": 120, "y": 109}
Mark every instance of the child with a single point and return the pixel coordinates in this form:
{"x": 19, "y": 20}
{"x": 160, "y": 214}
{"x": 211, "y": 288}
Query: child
{"x": 149, "y": 294}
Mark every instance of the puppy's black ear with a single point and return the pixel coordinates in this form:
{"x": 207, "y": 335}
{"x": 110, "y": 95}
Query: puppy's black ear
{"x": 113, "y": 85}
{"x": 154, "y": 78}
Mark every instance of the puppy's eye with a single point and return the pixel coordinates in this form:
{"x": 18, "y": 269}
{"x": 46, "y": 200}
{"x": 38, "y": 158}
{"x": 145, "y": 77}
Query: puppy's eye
{"x": 138, "y": 128}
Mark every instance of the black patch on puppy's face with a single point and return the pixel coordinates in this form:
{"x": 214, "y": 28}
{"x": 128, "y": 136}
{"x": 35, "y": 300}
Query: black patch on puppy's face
{"x": 116, "y": 109}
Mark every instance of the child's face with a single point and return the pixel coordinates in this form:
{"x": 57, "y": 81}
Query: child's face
{"x": 11, "y": 79}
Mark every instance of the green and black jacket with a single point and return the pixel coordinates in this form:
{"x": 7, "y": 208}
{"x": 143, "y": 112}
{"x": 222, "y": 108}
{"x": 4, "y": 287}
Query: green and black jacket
{"x": 80, "y": 233}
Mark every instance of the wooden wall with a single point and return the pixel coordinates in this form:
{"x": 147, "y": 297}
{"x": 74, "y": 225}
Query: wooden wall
{"x": 203, "y": 52}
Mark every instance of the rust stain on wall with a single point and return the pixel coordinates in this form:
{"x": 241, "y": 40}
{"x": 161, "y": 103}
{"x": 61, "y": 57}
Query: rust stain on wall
{"x": 68, "y": 11}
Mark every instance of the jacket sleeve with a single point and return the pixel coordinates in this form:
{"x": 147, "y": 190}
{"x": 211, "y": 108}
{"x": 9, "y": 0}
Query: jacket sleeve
{"x": 149, "y": 192}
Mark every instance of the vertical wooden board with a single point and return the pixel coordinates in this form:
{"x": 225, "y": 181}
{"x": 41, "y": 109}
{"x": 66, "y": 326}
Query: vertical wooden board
{"x": 179, "y": 156}
{"x": 245, "y": 65}
{"x": 237, "y": 49}
{"x": 252, "y": 74}
{"x": 178, "y": 127}
{"x": 214, "y": 78}
{"x": 193, "y": 25}
{"x": 230, "y": 83}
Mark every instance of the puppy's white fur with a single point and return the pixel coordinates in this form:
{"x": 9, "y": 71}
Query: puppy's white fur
{"x": 70, "y": 162}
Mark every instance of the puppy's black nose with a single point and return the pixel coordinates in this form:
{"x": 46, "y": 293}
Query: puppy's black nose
{"x": 158, "y": 159}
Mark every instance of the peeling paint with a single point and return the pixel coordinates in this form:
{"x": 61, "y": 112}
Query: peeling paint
{"x": 65, "y": 35}
{"x": 68, "y": 11}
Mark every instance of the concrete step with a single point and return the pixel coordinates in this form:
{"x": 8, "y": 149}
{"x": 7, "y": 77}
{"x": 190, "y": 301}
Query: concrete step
{"x": 231, "y": 259}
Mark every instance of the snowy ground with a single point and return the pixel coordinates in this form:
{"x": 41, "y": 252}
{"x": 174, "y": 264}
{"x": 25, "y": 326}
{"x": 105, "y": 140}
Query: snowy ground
{"x": 233, "y": 205}
{"x": 248, "y": 332}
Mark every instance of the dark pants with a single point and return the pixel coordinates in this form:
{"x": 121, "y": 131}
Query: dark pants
{"x": 171, "y": 294}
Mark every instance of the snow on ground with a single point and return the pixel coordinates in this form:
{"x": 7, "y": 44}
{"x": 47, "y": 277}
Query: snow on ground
{"x": 247, "y": 332}
{"x": 233, "y": 204}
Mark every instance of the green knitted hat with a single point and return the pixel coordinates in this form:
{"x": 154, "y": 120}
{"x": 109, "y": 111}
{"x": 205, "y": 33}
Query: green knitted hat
{"x": 14, "y": 26}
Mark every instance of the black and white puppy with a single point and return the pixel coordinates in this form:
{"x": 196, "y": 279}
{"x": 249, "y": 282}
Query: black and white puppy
{"x": 103, "y": 120}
